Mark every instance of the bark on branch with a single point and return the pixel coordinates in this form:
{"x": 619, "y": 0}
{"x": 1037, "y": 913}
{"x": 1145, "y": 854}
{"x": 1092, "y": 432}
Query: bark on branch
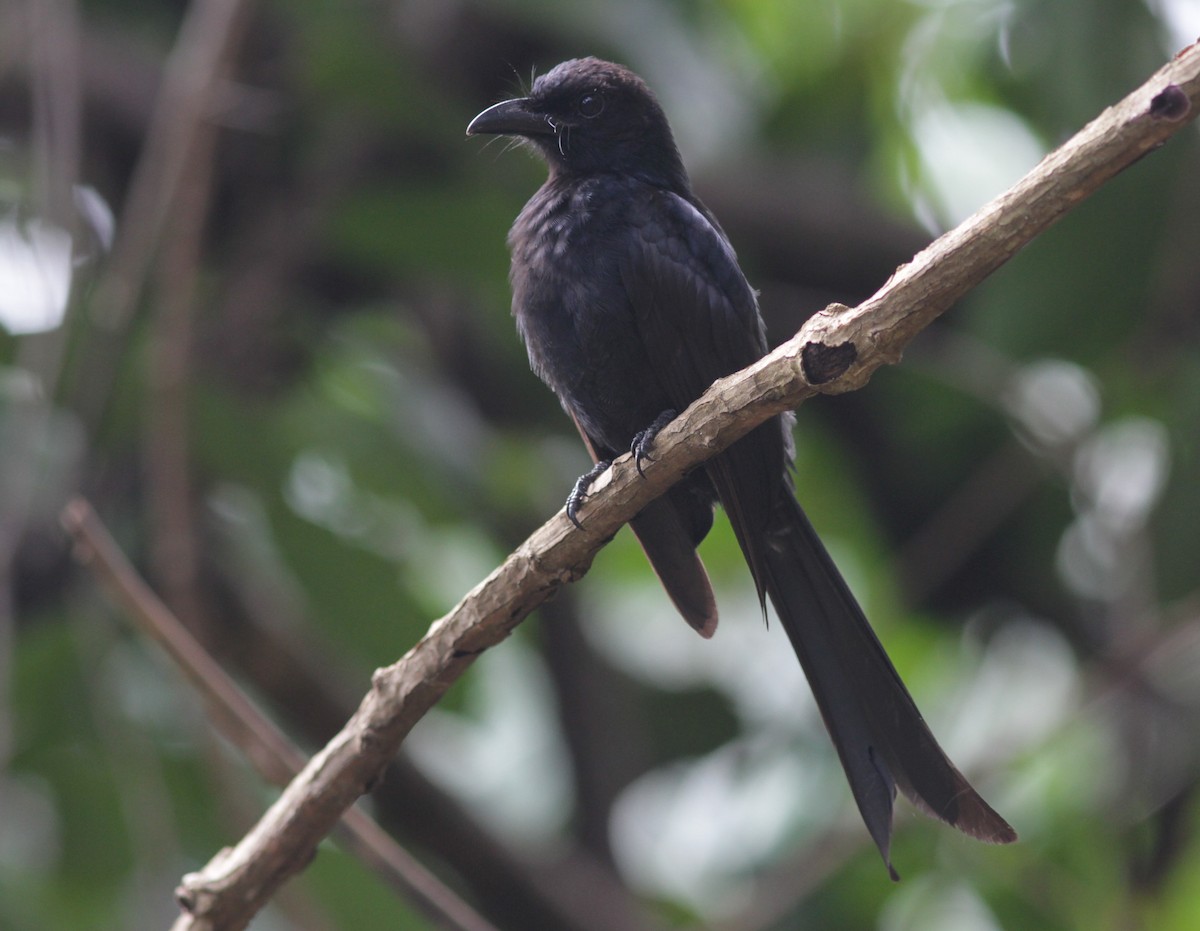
{"x": 835, "y": 351}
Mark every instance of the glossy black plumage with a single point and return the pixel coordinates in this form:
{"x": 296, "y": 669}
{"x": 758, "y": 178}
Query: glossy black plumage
{"x": 630, "y": 301}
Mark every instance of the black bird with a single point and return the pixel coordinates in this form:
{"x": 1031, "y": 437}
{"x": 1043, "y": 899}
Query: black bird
{"x": 631, "y": 303}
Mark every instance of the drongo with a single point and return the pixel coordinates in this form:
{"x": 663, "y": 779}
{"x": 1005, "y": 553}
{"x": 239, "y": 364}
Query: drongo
{"x": 630, "y": 301}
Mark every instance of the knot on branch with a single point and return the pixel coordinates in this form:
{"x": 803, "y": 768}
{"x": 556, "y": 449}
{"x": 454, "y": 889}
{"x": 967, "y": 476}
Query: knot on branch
{"x": 185, "y": 899}
{"x": 823, "y": 363}
{"x": 1170, "y": 103}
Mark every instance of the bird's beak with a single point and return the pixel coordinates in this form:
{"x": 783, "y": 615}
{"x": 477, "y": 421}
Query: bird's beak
{"x": 511, "y": 118}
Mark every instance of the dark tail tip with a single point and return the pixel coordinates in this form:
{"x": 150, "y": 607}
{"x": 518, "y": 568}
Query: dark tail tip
{"x": 980, "y": 821}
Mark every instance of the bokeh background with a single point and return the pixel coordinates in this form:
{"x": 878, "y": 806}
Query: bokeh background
{"x": 253, "y": 305}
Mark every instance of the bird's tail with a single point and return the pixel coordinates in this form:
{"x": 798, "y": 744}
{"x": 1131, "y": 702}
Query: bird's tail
{"x": 883, "y": 741}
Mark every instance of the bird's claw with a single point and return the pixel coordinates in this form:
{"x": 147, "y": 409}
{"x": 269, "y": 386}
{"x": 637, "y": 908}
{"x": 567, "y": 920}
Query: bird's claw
{"x": 580, "y": 491}
{"x": 643, "y": 440}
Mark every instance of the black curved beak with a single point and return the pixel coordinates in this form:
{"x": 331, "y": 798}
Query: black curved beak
{"x": 511, "y": 118}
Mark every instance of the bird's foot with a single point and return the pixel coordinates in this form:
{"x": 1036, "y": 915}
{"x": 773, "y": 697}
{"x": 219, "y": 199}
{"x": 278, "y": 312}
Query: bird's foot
{"x": 643, "y": 440}
{"x": 582, "y": 485}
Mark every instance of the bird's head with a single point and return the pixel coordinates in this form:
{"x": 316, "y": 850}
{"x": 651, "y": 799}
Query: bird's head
{"x": 587, "y": 116}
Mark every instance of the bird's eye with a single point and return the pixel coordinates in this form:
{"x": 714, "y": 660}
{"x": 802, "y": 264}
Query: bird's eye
{"x": 590, "y": 105}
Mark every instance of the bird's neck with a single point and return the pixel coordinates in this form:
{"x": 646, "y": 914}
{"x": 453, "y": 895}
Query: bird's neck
{"x": 671, "y": 178}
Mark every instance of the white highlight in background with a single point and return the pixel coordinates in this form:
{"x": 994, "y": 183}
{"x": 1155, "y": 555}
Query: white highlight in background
{"x": 35, "y": 275}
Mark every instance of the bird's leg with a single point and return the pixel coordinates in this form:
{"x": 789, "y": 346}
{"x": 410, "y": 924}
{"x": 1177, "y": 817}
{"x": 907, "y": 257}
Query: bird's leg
{"x": 582, "y": 485}
{"x": 644, "y": 439}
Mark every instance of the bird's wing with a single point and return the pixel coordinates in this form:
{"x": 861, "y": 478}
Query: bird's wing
{"x": 695, "y": 312}
{"x": 698, "y": 320}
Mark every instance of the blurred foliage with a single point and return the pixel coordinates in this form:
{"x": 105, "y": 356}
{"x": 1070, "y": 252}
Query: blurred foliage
{"x": 315, "y": 430}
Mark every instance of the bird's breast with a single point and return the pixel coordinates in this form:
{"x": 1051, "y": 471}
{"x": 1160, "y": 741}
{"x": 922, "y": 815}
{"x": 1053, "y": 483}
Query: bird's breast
{"x": 574, "y": 315}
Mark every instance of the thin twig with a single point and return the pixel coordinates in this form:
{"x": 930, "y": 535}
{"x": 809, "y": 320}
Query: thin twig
{"x": 274, "y": 757}
{"x": 836, "y": 351}
{"x": 210, "y": 32}
{"x": 175, "y": 561}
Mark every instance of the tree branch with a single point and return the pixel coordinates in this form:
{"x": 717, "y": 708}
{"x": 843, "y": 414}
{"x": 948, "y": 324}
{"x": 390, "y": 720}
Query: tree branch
{"x": 274, "y": 757}
{"x": 835, "y": 351}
